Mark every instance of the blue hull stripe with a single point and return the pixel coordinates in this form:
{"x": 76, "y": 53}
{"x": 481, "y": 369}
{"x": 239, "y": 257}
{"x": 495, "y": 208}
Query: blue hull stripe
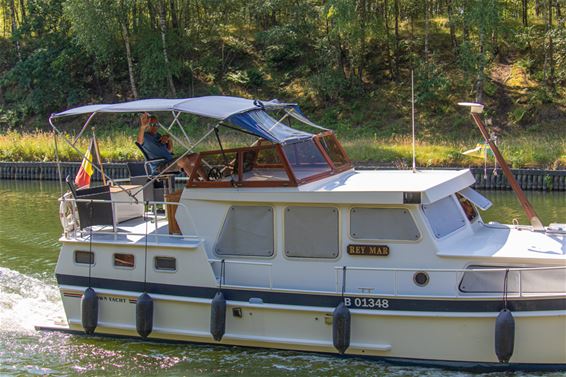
{"x": 305, "y": 299}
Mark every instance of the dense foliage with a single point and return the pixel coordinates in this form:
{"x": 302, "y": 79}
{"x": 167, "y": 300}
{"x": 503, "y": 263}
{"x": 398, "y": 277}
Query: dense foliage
{"x": 350, "y": 58}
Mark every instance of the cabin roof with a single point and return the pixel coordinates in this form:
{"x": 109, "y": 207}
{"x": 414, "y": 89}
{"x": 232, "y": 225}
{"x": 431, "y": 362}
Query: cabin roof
{"x": 353, "y": 187}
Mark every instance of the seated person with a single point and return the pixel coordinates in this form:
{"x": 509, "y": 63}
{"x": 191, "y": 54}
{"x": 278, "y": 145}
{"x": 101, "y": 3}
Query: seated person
{"x": 154, "y": 145}
{"x": 161, "y": 147}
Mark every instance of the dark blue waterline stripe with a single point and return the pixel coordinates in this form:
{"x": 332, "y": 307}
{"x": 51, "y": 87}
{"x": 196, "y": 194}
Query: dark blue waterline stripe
{"x": 304, "y": 299}
{"x": 444, "y": 364}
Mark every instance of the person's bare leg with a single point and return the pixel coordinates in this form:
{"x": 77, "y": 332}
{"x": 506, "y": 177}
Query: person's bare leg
{"x": 185, "y": 164}
{"x": 188, "y": 164}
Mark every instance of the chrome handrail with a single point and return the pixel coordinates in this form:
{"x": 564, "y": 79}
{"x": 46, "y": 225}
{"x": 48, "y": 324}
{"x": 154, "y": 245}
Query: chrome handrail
{"x": 153, "y": 203}
{"x": 458, "y": 274}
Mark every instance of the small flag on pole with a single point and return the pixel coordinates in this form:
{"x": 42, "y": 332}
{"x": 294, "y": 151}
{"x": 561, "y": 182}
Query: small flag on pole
{"x": 482, "y": 150}
{"x": 86, "y": 170}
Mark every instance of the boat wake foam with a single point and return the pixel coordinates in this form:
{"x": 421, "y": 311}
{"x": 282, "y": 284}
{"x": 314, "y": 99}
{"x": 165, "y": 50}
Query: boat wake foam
{"x": 26, "y": 301}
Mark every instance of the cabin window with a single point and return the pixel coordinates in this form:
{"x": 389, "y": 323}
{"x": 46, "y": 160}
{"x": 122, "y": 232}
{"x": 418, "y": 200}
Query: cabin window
{"x": 311, "y": 232}
{"x": 524, "y": 281}
{"x": 332, "y": 148}
{"x": 124, "y": 260}
{"x": 305, "y": 159}
{"x": 468, "y": 207}
{"x": 383, "y": 224}
{"x": 444, "y": 216}
{"x": 84, "y": 257}
{"x": 247, "y": 231}
{"x": 165, "y": 264}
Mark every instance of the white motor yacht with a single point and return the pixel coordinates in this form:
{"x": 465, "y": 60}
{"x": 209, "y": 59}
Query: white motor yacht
{"x": 283, "y": 244}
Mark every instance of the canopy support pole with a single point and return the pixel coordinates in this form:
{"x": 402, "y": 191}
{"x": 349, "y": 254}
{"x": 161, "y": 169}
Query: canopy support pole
{"x": 176, "y": 120}
{"x": 58, "y": 163}
{"x": 89, "y": 160}
{"x": 82, "y": 129}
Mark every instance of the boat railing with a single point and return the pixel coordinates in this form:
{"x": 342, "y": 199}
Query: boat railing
{"x": 232, "y": 278}
{"x": 453, "y": 283}
{"x": 148, "y": 216}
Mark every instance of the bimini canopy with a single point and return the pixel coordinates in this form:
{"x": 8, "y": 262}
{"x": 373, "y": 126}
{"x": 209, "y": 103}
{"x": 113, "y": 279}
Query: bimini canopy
{"x": 249, "y": 115}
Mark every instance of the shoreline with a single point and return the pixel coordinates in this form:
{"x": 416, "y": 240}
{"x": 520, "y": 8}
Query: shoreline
{"x": 529, "y": 179}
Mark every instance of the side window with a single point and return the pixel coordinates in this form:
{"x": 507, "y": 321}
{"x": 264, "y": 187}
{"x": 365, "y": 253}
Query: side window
{"x": 468, "y": 207}
{"x": 84, "y": 257}
{"x": 247, "y": 231}
{"x": 444, "y": 216}
{"x": 383, "y": 224}
{"x": 124, "y": 260}
{"x": 311, "y": 232}
{"x": 165, "y": 264}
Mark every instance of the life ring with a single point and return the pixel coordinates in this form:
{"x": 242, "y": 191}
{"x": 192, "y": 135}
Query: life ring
{"x": 68, "y": 213}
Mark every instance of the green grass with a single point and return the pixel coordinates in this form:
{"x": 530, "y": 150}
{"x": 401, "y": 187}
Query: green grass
{"x": 117, "y": 146}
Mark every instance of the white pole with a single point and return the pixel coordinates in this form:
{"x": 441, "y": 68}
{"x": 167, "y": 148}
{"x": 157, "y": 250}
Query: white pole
{"x": 413, "y": 120}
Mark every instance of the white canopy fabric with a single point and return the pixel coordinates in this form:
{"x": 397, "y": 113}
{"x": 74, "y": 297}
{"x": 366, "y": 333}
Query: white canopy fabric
{"x": 217, "y": 107}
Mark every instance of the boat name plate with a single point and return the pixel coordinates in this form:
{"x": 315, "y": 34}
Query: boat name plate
{"x": 374, "y": 250}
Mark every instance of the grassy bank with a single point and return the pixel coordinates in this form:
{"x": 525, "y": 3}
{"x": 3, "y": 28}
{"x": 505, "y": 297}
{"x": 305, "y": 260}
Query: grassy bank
{"x": 520, "y": 151}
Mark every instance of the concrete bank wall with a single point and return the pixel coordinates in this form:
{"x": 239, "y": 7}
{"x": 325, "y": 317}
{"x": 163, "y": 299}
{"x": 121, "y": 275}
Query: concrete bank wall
{"x": 529, "y": 179}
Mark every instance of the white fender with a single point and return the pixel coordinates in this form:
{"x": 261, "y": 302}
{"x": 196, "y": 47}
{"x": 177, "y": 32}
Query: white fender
{"x": 68, "y": 213}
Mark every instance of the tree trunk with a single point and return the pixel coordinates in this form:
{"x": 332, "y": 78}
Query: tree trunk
{"x": 23, "y": 10}
{"x": 165, "y": 55}
{"x": 174, "y": 18}
{"x": 387, "y": 39}
{"x": 452, "y": 25}
{"x": 362, "y": 12}
{"x": 481, "y": 66}
{"x": 550, "y": 51}
{"x": 15, "y": 36}
{"x": 465, "y": 26}
{"x": 397, "y": 52}
{"x": 126, "y": 36}
{"x": 426, "y": 2}
{"x": 151, "y": 11}
{"x": 525, "y": 12}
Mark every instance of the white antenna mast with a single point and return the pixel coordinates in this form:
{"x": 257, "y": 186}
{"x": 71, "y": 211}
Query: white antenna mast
{"x": 413, "y": 120}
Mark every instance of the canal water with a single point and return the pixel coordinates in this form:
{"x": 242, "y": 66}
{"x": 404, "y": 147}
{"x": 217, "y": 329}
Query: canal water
{"x": 29, "y": 228}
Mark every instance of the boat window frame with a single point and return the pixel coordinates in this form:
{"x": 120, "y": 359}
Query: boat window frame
{"x": 459, "y": 209}
{"x": 133, "y": 267}
{"x": 339, "y": 214}
{"x": 292, "y": 181}
{"x": 239, "y": 256}
{"x": 193, "y": 180}
{"x": 417, "y": 240}
{"x": 156, "y": 269}
{"x": 463, "y": 201}
{"x": 84, "y": 264}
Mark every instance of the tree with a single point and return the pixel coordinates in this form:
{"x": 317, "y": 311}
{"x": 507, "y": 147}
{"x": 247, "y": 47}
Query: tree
{"x": 100, "y": 26}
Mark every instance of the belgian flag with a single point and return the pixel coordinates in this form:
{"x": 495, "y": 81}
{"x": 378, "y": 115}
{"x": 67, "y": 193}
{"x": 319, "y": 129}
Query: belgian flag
{"x": 86, "y": 170}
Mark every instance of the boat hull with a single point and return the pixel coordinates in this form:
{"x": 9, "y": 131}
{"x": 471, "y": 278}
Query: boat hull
{"x": 462, "y": 339}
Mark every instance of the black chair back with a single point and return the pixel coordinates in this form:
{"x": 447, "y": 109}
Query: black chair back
{"x": 94, "y": 213}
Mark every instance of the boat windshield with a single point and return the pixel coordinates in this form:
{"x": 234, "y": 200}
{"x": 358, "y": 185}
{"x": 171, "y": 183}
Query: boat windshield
{"x": 305, "y": 159}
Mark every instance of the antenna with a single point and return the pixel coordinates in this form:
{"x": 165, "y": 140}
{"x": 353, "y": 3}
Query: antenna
{"x": 413, "y": 119}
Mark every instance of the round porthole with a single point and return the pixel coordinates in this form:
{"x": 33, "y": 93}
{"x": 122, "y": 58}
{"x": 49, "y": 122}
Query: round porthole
{"x": 421, "y": 278}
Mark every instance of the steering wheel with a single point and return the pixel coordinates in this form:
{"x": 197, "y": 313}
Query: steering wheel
{"x": 214, "y": 174}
